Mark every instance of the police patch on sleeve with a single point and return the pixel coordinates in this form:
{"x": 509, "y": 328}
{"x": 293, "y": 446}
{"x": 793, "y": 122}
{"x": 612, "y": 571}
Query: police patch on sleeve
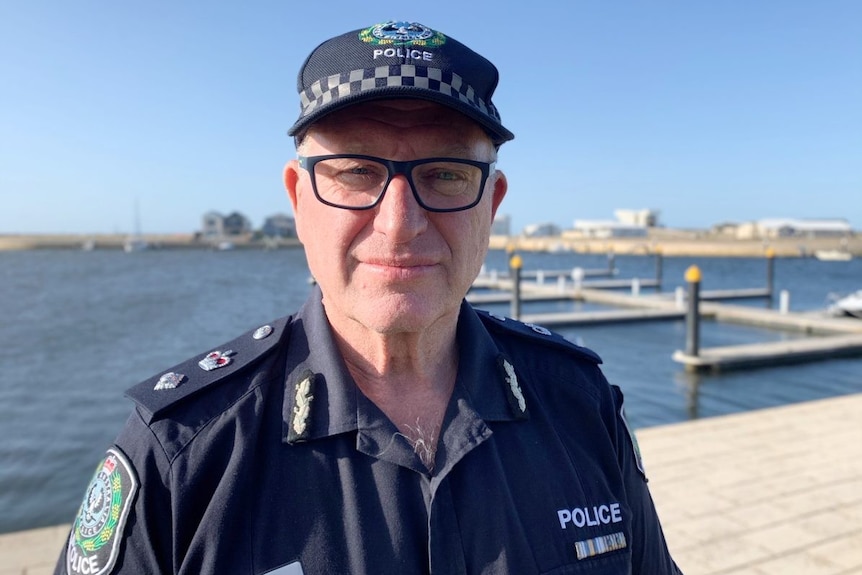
{"x": 94, "y": 543}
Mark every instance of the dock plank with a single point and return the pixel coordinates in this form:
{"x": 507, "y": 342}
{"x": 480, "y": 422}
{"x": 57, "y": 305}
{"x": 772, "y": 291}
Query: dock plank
{"x": 771, "y": 353}
{"x": 601, "y": 316}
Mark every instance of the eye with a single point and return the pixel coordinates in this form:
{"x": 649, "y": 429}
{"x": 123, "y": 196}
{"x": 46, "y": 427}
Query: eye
{"x": 352, "y": 174}
{"x": 447, "y": 175}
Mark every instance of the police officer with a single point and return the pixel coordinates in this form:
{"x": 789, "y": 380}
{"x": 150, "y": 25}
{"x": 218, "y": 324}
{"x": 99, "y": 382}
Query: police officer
{"x": 387, "y": 426}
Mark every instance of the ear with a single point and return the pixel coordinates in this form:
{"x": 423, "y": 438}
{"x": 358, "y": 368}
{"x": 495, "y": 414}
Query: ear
{"x": 291, "y": 178}
{"x": 501, "y": 185}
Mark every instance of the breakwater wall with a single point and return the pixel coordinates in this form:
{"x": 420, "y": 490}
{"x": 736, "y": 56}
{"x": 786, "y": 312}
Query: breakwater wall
{"x": 20, "y": 242}
{"x": 688, "y": 244}
{"x": 668, "y": 244}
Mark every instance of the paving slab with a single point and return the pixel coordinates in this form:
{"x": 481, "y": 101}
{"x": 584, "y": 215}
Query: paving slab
{"x": 775, "y": 491}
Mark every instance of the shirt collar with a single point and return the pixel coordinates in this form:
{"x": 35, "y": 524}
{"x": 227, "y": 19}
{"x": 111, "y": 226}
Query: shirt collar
{"x": 321, "y": 399}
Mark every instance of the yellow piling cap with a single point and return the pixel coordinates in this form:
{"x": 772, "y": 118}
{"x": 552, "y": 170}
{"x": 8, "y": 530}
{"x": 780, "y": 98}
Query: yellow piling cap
{"x": 516, "y": 262}
{"x": 770, "y": 252}
{"x": 692, "y": 274}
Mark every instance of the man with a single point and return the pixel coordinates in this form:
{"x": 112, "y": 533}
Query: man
{"x": 387, "y": 427}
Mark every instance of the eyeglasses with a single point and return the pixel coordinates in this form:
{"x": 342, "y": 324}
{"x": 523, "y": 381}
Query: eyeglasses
{"x": 358, "y": 182}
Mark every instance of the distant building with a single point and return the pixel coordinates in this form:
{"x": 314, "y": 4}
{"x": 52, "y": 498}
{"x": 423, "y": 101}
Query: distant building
{"x": 542, "y": 230}
{"x": 638, "y": 218}
{"x": 604, "y": 229}
{"x": 212, "y": 225}
{"x": 794, "y": 228}
{"x": 502, "y": 225}
{"x": 236, "y": 224}
{"x": 215, "y": 225}
{"x": 279, "y": 226}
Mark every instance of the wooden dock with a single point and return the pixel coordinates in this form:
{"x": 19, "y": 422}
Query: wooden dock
{"x": 601, "y": 317}
{"x": 829, "y": 337}
{"x": 771, "y": 353}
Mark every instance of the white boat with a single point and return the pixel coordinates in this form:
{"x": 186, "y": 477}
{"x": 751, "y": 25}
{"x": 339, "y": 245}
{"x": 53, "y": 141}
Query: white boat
{"x": 135, "y": 244}
{"x": 848, "y": 305}
{"x": 833, "y": 255}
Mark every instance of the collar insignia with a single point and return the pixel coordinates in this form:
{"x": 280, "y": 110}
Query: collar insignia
{"x": 516, "y": 396}
{"x": 302, "y": 406}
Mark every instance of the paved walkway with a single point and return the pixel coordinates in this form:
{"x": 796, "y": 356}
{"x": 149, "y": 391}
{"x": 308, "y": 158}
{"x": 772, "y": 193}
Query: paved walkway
{"x": 770, "y": 492}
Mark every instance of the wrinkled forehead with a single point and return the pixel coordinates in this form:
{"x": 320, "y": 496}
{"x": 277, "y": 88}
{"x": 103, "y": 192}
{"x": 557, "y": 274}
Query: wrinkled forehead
{"x": 403, "y": 117}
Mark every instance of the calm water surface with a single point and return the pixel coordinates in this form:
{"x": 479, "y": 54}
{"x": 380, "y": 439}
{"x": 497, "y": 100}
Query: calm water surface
{"x": 78, "y": 328}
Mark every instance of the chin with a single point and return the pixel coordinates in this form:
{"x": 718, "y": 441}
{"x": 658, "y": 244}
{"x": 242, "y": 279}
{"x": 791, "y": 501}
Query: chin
{"x": 403, "y": 313}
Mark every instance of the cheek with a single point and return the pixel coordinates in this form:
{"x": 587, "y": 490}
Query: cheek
{"x": 326, "y": 232}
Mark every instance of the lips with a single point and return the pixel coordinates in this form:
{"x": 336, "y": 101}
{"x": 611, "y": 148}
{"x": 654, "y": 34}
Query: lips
{"x": 399, "y": 268}
{"x": 400, "y": 262}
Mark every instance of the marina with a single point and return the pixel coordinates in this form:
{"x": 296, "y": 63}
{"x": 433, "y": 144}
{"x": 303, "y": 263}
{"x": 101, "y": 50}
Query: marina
{"x": 637, "y": 307}
{"x": 71, "y": 351}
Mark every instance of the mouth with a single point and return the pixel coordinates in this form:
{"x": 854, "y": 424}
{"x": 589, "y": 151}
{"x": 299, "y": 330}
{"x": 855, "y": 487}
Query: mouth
{"x": 400, "y": 269}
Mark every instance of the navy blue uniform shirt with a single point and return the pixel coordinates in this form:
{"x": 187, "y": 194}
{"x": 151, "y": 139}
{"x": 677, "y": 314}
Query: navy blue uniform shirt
{"x": 274, "y": 462}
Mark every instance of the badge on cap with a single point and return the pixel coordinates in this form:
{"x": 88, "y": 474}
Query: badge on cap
{"x": 400, "y": 33}
{"x": 95, "y": 539}
{"x": 215, "y": 360}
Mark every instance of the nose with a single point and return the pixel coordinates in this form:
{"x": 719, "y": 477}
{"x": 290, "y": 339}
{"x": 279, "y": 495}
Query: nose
{"x": 398, "y": 215}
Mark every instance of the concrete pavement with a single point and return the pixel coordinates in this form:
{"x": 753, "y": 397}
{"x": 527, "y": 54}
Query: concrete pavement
{"x": 770, "y": 492}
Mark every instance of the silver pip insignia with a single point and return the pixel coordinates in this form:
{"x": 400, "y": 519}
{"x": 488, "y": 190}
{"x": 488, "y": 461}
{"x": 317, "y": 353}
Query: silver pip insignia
{"x": 169, "y": 380}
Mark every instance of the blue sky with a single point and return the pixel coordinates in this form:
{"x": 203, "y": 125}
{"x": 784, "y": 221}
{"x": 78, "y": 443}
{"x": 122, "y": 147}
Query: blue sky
{"x": 708, "y": 111}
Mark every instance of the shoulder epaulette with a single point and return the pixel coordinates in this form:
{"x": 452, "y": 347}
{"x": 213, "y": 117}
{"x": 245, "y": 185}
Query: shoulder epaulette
{"x": 186, "y": 379}
{"x": 536, "y": 333}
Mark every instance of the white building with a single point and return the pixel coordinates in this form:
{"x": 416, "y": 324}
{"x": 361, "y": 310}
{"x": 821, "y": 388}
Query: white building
{"x": 639, "y": 218}
{"x": 789, "y": 227}
{"x": 604, "y": 229}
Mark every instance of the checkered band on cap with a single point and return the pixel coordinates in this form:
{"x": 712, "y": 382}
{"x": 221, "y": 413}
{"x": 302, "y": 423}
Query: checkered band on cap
{"x": 339, "y": 86}
{"x": 396, "y": 60}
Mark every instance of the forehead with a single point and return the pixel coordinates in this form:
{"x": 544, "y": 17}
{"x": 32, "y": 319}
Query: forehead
{"x": 391, "y": 120}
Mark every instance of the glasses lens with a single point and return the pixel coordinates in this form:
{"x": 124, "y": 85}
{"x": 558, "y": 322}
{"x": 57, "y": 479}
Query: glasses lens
{"x": 350, "y": 182}
{"x": 447, "y": 185}
{"x": 357, "y": 183}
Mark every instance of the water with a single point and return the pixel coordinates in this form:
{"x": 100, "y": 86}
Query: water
{"x": 78, "y": 328}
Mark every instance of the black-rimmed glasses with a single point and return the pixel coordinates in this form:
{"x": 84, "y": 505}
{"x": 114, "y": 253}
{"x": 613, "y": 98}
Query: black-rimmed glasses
{"x": 358, "y": 182}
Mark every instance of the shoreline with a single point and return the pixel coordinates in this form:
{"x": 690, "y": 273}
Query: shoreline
{"x": 90, "y": 242}
{"x": 664, "y": 242}
{"x": 684, "y": 244}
